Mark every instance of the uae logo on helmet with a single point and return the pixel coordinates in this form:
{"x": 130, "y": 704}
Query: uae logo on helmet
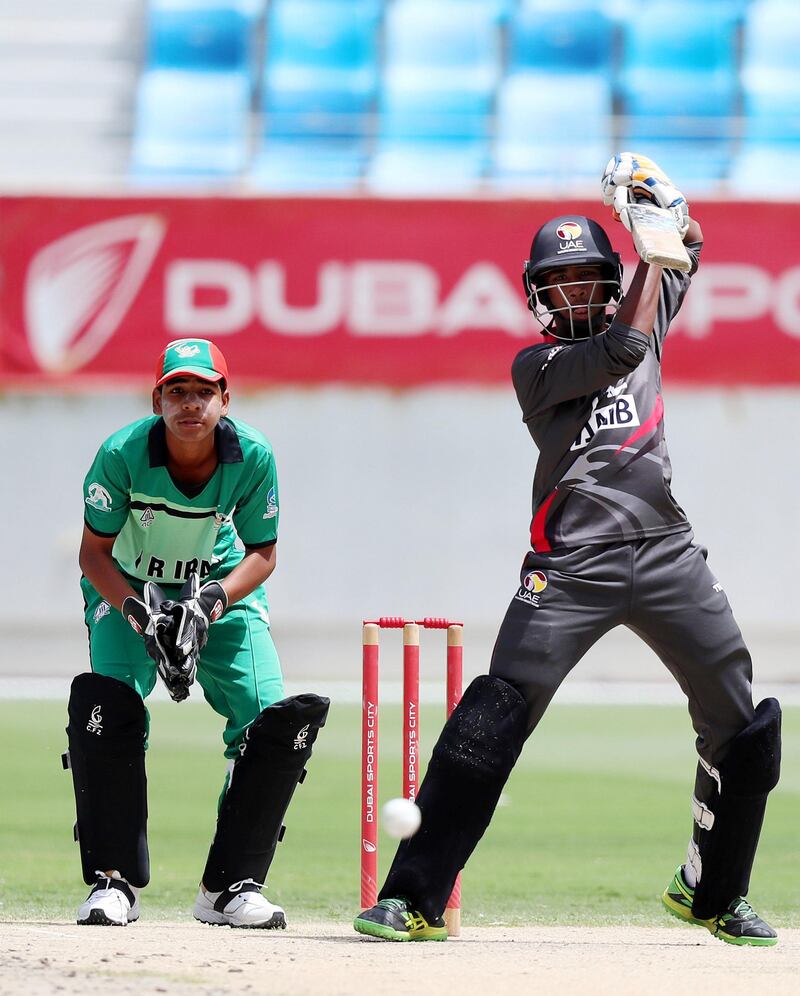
{"x": 569, "y": 231}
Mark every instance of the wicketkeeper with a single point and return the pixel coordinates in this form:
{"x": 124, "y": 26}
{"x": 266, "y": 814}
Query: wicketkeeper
{"x": 610, "y": 547}
{"x": 180, "y": 534}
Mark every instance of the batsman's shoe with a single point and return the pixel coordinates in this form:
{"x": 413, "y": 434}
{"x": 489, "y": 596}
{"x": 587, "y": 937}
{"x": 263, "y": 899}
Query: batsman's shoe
{"x": 111, "y": 903}
{"x": 738, "y": 924}
{"x": 240, "y": 905}
{"x": 394, "y": 920}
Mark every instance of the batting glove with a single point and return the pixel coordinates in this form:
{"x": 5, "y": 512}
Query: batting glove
{"x": 158, "y": 629}
{"x": 631, "y": 177}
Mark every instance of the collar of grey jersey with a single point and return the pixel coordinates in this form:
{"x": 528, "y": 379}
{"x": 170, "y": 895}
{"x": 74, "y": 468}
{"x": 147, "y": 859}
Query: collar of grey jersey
{"x": 226, "y": 438}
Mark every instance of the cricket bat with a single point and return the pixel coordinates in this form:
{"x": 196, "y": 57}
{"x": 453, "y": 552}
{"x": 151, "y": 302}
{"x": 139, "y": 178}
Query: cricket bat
{"x": 656, "y": 238}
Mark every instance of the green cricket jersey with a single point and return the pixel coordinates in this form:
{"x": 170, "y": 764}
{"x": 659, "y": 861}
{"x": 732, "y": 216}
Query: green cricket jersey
{"x": 163, "y": 533}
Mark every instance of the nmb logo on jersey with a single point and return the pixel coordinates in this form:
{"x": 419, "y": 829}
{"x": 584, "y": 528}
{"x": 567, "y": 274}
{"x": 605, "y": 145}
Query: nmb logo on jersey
{"x": 619, "y": 413}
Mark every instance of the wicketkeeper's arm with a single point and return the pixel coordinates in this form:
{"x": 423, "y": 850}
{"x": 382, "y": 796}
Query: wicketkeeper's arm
{"x": 251, "y": 571}
{"x": 143, "y": 613}
{"x": 200, "y": 604}
{"x": 100, "y": 570}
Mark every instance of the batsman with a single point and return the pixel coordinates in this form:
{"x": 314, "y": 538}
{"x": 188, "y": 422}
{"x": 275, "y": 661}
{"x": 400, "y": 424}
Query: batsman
{"x": 609, "y": 546}
{"x": 180, "y": 534}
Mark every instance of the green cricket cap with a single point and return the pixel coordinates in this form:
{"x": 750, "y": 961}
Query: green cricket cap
{"x": 191, "y": 358}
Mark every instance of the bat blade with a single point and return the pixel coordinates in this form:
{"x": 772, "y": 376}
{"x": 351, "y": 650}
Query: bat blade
{"x": 656, "y": 237}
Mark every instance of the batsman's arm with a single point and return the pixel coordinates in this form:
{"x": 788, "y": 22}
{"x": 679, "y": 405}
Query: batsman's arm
{"x": 254, "y": 569}
{"x": 100, "y": 570}
{"x": 694, "y": 233}
{"x": 640, "y": 305}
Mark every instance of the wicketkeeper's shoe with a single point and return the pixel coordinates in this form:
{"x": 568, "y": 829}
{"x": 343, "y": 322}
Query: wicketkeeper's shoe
{"x": 738, "y": 924}
{"x": 111, "y": 903}
{"x": 394, "y": 920}
{"x": 240, "y": 905}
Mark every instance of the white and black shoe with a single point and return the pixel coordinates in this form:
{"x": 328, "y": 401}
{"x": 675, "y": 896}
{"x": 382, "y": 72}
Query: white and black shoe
{"x": 240, "y": 905}
{"x": 111, "y": 903}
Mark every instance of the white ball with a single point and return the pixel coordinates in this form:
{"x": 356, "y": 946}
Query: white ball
{"x": 401, "y": 818}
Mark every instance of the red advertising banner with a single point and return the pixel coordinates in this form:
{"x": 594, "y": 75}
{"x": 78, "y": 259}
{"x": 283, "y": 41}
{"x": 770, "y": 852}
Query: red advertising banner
{"x": 311, "y": 291}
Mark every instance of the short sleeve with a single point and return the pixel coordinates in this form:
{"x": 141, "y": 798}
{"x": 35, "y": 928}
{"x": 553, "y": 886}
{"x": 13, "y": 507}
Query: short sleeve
{"x": 106, "y": 493}
{"x": 256, "y": 516}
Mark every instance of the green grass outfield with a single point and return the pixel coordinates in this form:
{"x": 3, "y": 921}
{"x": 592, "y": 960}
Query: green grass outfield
{"x": 595, "y": 820}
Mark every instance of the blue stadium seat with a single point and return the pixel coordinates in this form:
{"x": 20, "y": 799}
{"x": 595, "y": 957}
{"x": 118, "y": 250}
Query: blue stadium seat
{"x": 554, "y": 109}
{"x": 700, "y": 42}
{"x": 191, "y": 123}
{"x": 626, "y": 10}
{"x": 319, "y": 84}
{"x": 679, "y": 88}
{"x": 411, "y": 114}
{"x": 498, "y": 10}
{"x": 320, "y": 72}
{"x": 441, "y": 168}
{"x": 322, "y": 49}
{"x": 768, "y": 160}
{"x": 306, "y": 165}
{"x": 441, "y": 65}
{"x": 435, "y": 140}
{"x": 765, "y": 171}
{"x": 772, "y": 117}
{"x": 552, "y": 131}
{"x": 560, "y": 36}
{"x": 200, "y": 34}
{"x": 193, "y": 97}
{"x": 771, "y": 72}
{"x": 447, "y": 45}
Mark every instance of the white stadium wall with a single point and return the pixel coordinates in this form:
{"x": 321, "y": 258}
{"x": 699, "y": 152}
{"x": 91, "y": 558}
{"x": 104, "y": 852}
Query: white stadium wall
{"x": 413, "y": 502}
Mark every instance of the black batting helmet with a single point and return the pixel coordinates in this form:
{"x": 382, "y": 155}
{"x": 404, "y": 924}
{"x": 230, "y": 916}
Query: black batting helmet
{"x": 565, "y": 241}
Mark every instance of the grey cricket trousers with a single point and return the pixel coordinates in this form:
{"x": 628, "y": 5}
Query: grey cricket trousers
{"x": 660, "y": 588}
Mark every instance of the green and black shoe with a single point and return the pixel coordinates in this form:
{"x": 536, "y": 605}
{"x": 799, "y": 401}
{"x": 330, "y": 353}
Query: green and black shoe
{"x": 394, "y": 920}
{"x": 738, "y": 924}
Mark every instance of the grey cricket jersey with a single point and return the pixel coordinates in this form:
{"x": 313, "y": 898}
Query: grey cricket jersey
{"x": 595, "y": 412}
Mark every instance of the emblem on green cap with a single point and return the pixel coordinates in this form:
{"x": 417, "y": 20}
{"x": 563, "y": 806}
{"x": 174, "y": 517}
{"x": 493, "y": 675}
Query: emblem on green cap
{"x": 186, "y": 350}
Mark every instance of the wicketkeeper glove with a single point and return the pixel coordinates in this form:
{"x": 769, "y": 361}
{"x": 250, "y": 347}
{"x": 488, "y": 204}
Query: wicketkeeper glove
{"x": 158, "y": 628}
{"x": 630, "y": 177}
{"x": 197, "y": 606}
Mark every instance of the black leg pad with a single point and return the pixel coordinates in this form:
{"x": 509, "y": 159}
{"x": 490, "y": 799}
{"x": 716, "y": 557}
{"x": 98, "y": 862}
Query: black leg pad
{"x": 107, "y": 732}
{"x": 738, "y": 801}
{"x": 470, "y": 764}
{"x": 270, "y": 765}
